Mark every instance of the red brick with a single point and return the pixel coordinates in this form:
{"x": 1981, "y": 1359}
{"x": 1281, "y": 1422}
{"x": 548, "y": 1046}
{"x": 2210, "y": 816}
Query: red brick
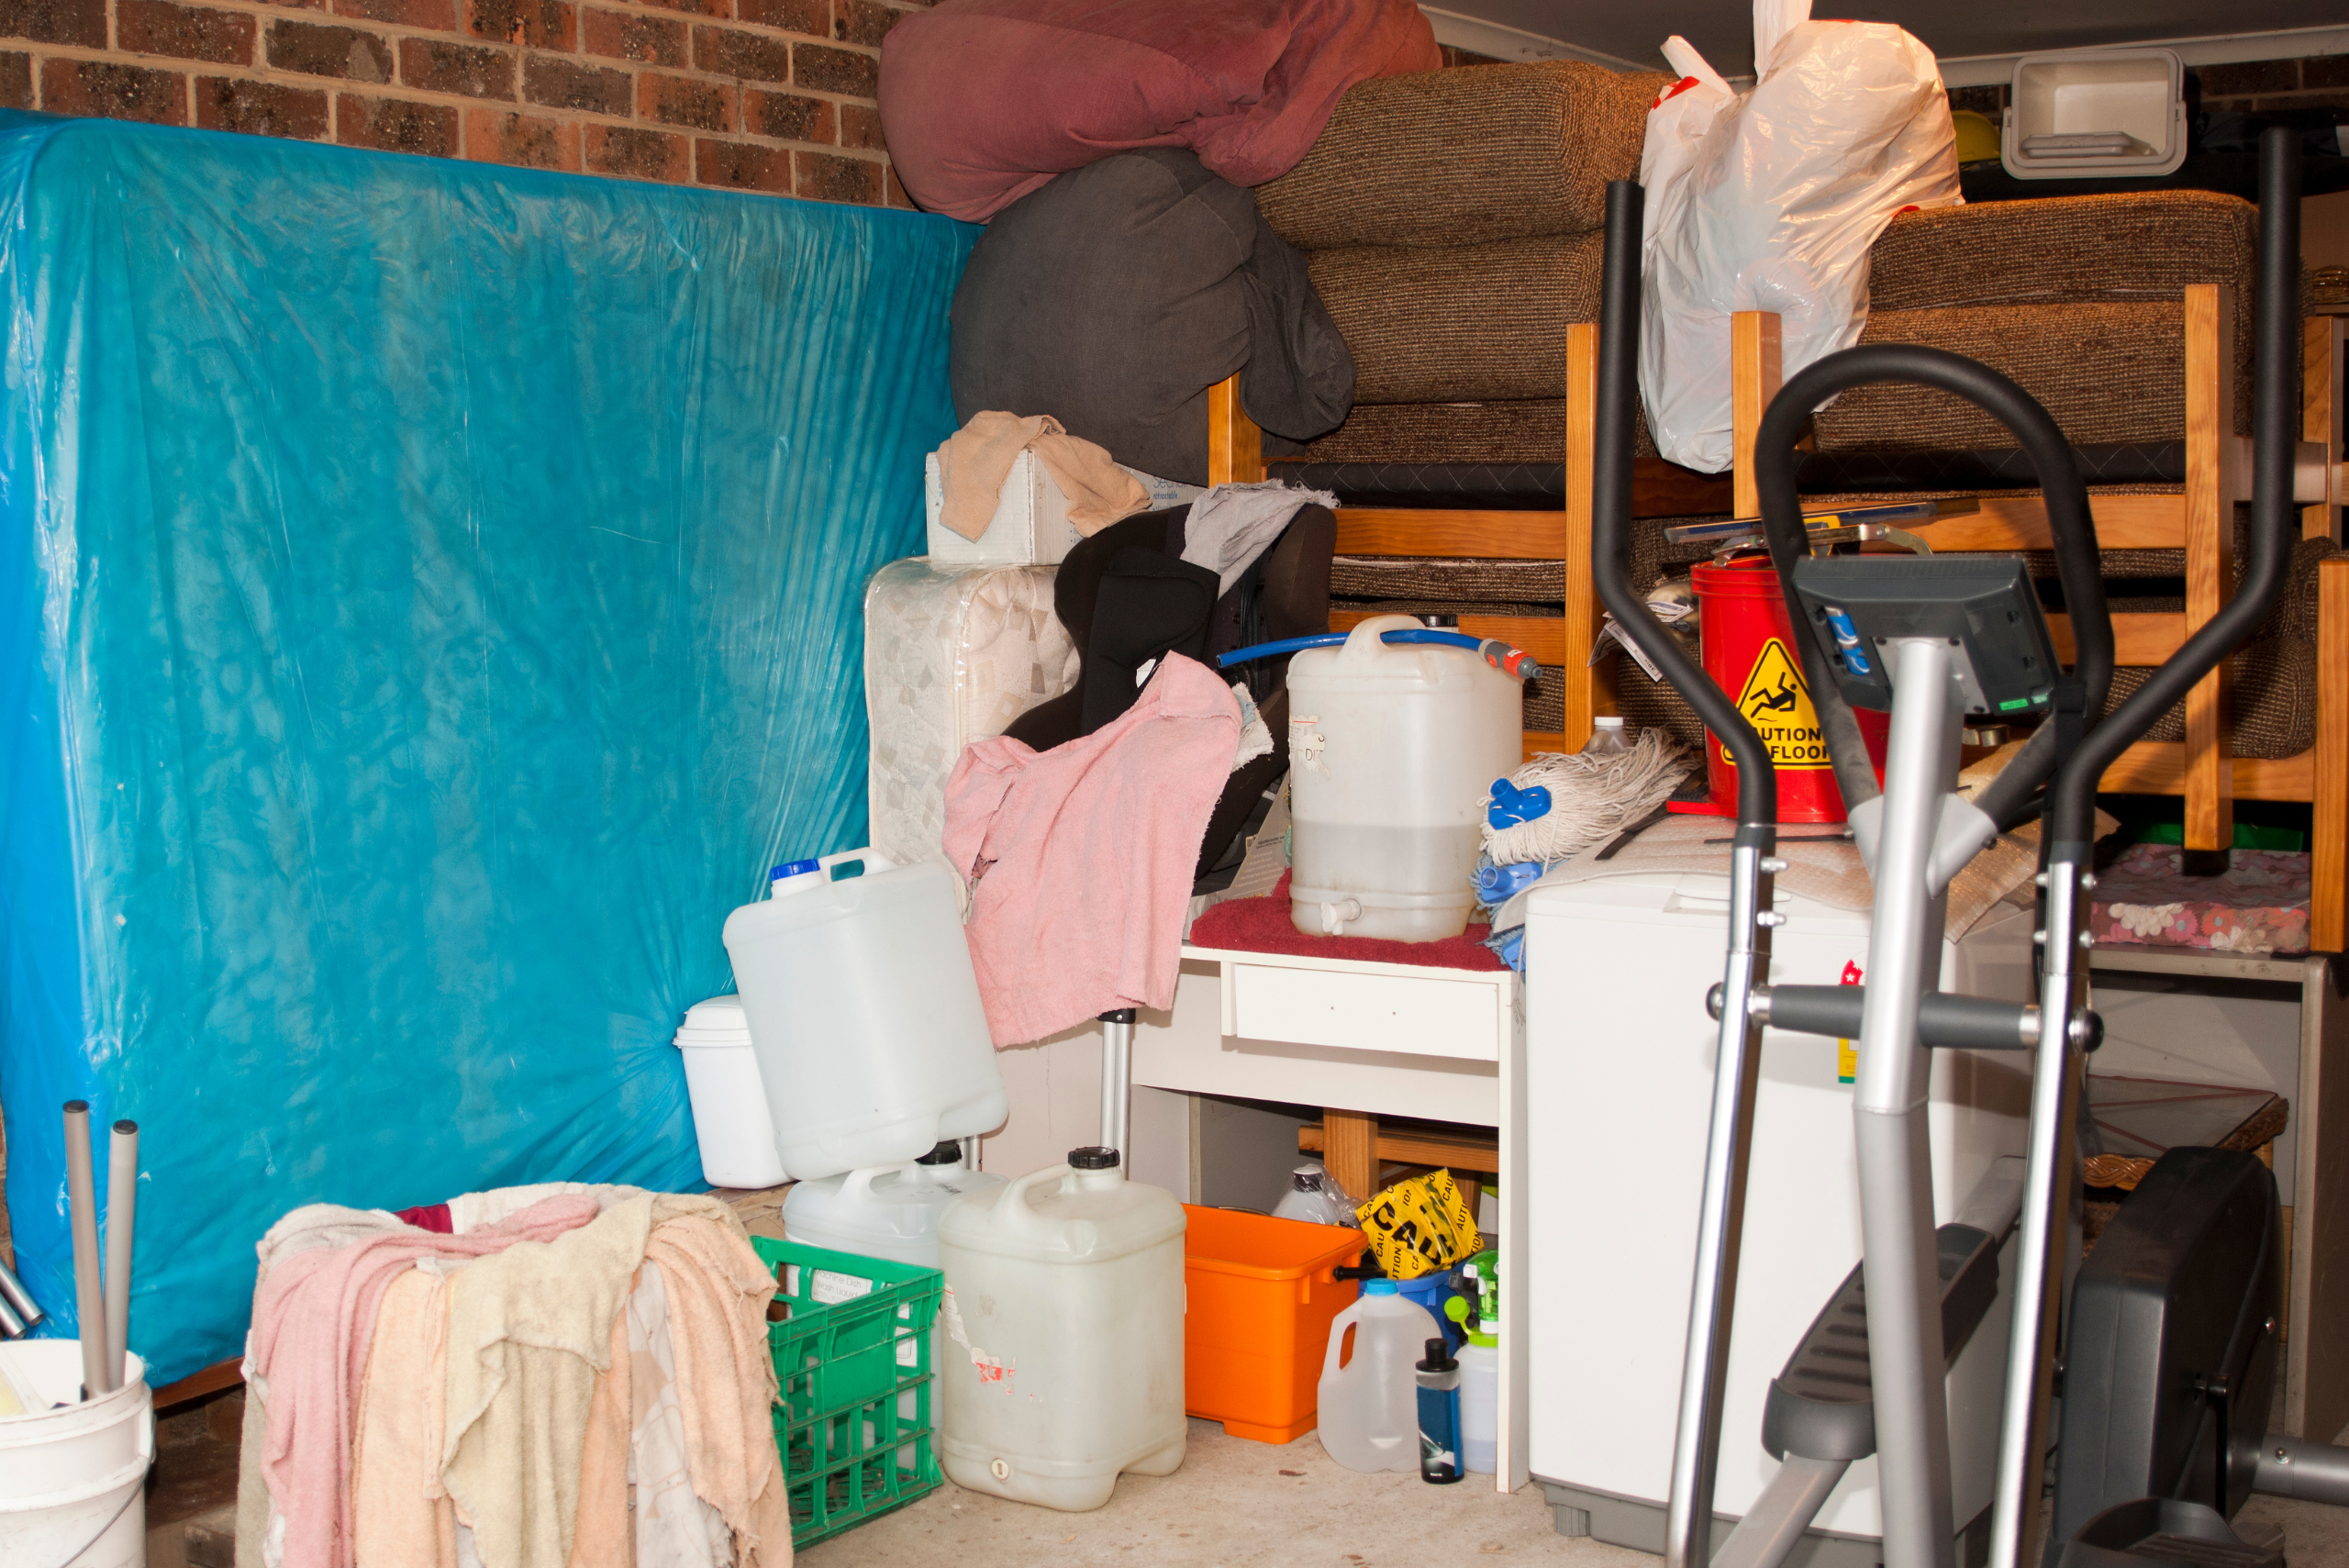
{"x": 440, "y": 16}
{"x": 622, "y": 35}
{"x": 728, "y": 52}
{"x": 537, "y": 24}
{"x": 741, "y": 167}
{"x": 826, "y": 178}
{"x": 2250, "y": 76}
{"x": 15, "y": 81}
{"x": 840, "y": 71}
{"x": 395, "y": 125}
{"x": 113, "y": 92}
{"x": 786, "y": 117}
{"x": 316, "y": 51}
{"x": 897, "y": 196}
{"x": 183, "y": 32}
{"x": 860, "y": 127}
{"x": 696, "y": 8}
{"x": 635, "y": 154}
{"x": 495, "y": 136}
{"x": 468, "y": 70}
{"x": 813, "y": 17}
{"x": 862, "y": 21}
{"x": 80, "y": 22}
{"x": 567, "y": 84}
{"x": 259, "y": 108}
{"x": 682, "y": 101}
{"x": 297, "y": 5}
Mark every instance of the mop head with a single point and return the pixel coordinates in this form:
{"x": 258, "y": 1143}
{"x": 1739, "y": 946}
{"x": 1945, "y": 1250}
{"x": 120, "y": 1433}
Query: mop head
{"x": 1591, "y": 798}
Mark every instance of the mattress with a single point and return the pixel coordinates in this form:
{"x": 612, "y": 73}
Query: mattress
{"x": 952, "y": 655}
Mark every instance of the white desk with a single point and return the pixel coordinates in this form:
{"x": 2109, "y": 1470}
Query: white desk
{"x": 1383, "y": 1039}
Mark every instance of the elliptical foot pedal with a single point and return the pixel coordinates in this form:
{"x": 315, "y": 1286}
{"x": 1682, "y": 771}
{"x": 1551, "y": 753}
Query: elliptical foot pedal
{"x": 2164, "y": 1532}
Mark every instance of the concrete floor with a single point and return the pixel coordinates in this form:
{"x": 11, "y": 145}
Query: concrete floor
{"x": 1237, "y": 1503}
{"x": 1234, "y": 1503}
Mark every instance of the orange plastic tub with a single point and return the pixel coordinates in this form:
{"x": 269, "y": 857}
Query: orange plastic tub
{"x": 1261, "y": 1297}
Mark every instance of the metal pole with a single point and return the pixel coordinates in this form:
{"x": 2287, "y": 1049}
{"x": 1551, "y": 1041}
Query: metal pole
{"x": 2039, "y": 1268}
{"x": 1720, "y": 1221}
{"x": 1117, "y": 1082}
{"x": 122, "y": 1206}
{"x": 89, "y": 1296}
{"x": 1888, "y": 1115}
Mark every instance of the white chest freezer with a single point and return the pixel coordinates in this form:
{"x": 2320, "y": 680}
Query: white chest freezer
{"x": 1619, "y": 1090}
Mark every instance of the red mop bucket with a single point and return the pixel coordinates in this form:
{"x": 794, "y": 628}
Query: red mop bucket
{"x": 1750, "y": 653}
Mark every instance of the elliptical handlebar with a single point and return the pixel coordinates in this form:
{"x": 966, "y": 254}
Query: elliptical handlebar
{"x": 2073, "y": 530}
{"x": 1619, "y": 374}
{"x": 2275, "y": 434}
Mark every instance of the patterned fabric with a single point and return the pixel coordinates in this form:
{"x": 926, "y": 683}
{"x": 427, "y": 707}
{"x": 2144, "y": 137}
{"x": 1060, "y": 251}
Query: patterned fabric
{"x": 1455, "y": 157}
{"x": 2000, "y": 468}
{"x": 949, "y": 657}
{"x": 1539, "y": 486}
{"x": 2260, "y": 905}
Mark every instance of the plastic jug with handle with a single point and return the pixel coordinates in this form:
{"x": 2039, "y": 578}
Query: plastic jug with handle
{"x": 1063, "y": 1311}
{"x": 1369, "y": 1395}
{"x": 864, "y": 1012}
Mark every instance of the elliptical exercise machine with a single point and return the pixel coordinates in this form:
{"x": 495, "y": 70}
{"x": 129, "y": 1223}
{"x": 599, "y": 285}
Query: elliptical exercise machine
{"x": 2167, "y": 1337}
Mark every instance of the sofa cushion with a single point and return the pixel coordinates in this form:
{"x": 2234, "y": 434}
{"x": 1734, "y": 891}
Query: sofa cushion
{"x": 1457, "y": 157}
{"x": 1460, "y": 323}
{"x": 984, "y": 100}
{"x": 1114, "y": 297}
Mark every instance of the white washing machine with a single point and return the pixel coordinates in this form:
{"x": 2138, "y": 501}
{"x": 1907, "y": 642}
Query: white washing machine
{"x": 1618, "y": 1091}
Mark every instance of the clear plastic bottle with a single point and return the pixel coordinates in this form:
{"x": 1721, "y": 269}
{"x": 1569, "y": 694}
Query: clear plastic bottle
{"x": 1315, "y": 1196}
{"x": 1607, "y": 737}
{"x": 1368, "y": 1399}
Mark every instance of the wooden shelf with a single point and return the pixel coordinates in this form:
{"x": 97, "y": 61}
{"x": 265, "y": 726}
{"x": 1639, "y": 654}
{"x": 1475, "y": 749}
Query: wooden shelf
{"x": 1421, "y": 1146}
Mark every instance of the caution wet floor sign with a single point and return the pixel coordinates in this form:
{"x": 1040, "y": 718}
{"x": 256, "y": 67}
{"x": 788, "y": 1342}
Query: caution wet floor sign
{"x": 1776, "y": 703}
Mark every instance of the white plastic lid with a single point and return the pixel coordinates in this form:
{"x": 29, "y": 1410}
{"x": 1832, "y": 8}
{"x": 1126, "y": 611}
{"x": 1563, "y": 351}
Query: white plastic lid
{"x": 1608, "y": 721}
{"x": 716, "y": 1022}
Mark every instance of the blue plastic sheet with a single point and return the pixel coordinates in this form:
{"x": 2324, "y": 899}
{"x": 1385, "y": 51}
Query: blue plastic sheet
{"x": 428, "y": 602}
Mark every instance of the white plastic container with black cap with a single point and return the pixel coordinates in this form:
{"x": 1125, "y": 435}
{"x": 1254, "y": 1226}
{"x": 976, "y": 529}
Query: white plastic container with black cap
{"x": 1064, "y": 1313}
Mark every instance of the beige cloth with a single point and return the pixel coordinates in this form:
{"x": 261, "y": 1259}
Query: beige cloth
{"x": 400, "y": 1515}
{"x": 976, "y": 459}
{"x": 718, "y": 1296}
{"x": 528, "y": 1330}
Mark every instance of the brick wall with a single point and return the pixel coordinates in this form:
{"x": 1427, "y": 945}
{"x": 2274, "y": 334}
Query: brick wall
{"x": 773, "y": 96}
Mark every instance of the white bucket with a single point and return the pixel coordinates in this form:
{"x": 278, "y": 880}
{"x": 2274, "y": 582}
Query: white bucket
{"x": 72, "y": 1478}
{"x": 732, "y": 1122}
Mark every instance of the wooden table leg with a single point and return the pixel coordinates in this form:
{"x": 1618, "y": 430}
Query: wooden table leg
{"x": 1350, "y": 1151}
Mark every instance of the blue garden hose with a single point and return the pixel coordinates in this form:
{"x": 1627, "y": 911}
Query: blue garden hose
{"x": 1509, "y": 660}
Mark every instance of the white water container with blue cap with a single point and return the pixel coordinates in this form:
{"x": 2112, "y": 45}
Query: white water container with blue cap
{"x": 864, "y": 1013}
{"x": 1393, "y": 749}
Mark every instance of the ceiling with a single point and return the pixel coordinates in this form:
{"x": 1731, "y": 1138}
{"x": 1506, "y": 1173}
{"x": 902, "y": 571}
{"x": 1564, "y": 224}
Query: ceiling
{"x": 1722, "y": 30}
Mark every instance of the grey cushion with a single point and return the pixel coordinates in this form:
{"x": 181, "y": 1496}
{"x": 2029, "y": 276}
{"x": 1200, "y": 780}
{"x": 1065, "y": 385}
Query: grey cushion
{"x": 1115, "y": 296}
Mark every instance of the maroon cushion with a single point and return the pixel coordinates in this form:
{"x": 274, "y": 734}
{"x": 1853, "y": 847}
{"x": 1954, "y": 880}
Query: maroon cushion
{"x": 984, "y": 100}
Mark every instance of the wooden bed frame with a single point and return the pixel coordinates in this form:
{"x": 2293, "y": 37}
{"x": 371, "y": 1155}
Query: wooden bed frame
{"x": 2201, "y": 770}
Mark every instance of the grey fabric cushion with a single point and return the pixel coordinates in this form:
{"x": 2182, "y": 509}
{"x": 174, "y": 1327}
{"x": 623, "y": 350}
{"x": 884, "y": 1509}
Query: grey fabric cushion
{"x": 1115, "y": 296}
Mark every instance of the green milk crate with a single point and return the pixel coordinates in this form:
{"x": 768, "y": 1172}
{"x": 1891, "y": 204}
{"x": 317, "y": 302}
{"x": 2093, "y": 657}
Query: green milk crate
{"x": 851, "y": 1358}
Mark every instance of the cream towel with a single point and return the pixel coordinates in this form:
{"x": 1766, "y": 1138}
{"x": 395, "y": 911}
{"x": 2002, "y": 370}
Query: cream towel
{"x": 976, "y": 459}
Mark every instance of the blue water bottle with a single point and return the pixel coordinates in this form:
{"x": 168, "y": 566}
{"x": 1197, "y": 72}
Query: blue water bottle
{"x": 1439, "y": 1379}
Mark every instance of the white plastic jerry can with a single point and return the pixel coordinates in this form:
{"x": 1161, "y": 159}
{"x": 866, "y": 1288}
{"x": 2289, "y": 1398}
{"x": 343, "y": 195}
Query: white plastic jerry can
{"x": 1393, "y": 749}
{"x": 864, "y": 1012}
{"x": 1368, "y": 1404}
{"x": 1062, "y": 1366}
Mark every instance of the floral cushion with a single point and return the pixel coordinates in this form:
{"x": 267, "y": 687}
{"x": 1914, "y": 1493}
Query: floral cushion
{"x": 2260, "y": 905}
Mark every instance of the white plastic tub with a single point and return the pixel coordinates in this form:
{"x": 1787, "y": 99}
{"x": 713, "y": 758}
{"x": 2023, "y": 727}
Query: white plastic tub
{"x": 2110, "y": 113}
{"x": 1393, "y": 749}
{"x": 871, "y": 1045}
{"x": 731, "y": 1123}
{"x": 72, "y": 1478}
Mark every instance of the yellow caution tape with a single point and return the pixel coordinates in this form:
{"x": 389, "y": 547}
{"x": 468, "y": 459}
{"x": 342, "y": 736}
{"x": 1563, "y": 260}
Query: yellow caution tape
{"x": 1420, "y": 1224}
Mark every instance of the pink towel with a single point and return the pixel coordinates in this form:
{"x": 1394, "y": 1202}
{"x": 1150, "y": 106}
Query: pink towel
{"x": 1080, "y": 858}
{"x": 318, "y": 1308}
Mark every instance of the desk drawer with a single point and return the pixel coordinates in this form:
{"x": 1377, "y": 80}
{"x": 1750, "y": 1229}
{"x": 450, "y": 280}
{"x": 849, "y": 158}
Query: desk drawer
{"x": 1420, "y": 1017}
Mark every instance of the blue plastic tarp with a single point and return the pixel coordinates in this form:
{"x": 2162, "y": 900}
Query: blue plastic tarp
{"x": 430, "y": 599}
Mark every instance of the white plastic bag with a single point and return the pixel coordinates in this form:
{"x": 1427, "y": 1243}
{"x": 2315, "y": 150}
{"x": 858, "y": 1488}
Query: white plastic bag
{"x": 1769, "y": 200}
